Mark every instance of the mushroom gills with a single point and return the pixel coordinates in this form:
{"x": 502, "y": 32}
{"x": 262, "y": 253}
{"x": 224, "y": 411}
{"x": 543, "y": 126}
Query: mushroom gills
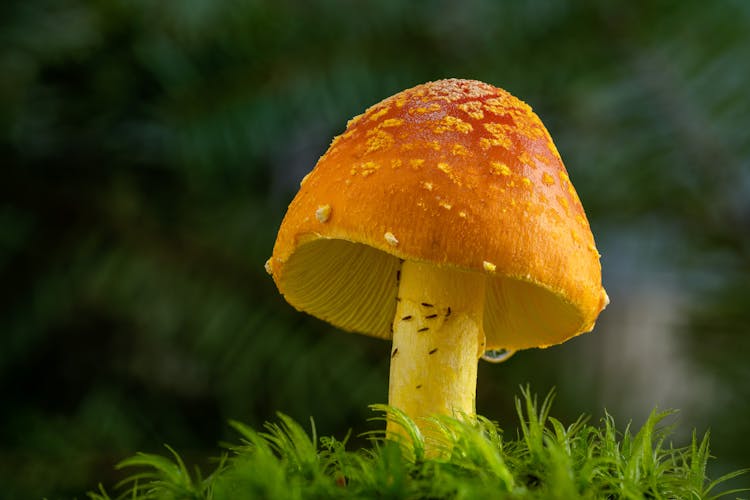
{"x": 353, "y": 286}
{"x": 350, "y": 285}
{"x": 521, "y": 315}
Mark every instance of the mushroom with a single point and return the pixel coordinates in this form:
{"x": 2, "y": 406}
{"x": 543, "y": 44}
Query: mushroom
{"x": 443, "y": 219}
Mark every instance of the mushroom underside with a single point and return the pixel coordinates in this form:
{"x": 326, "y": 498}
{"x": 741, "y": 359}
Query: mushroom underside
{"x": 354, "y": 287}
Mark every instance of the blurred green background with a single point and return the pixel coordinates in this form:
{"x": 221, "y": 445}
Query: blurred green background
{"x": 148, "y": 151}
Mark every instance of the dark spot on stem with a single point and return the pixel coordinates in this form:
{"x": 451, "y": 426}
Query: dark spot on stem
{"x": 398, "y": 276}
{"x": 448, "y": 312}
{"x": 406, "y": 318}
{"x": 423, "y": 329}
{"x": 395, "y": 351}
{"x": 419, "y": 386}
{"x": 427, "y": 305}
{"x": 432, "y": 351}
{"x": 431, "y": 316}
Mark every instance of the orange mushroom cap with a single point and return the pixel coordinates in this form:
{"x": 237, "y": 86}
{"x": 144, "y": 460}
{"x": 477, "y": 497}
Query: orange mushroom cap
{"x": 459, "y": 174}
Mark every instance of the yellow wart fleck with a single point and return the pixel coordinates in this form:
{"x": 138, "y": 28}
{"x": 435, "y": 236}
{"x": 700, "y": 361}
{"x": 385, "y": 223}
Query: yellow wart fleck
{"x": 416, "y": 162}
{"x": 539, "y": 159}
{"x": 378, "y": 139}
{"x": 503, "y": 141}
{"x": 459, "y": 150}
{"x": 323, "y": 213}
{"x": 499, "y": 168}
{"x": 364, "y": 169}
{"x": 425, "y": 109}
{"x": 269, "y": 266}
{"x": 377, "y": 114}
{"x": 392, "y": 122}
{"x": 548, "y": 179}
{"x": 447, "y": 170}
{"x": 497, "y": 105}
{"x": 525, "y": 159}
{"x": 473, "y": 109}
{"x": 391, "y": 239}
{"x": 489, "y": 266}
{"x": 427, "y": 185}
{"x": 499, "y": 134}
{"x": 452, "y": 124}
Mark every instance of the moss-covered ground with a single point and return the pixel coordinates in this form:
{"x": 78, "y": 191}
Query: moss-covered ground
{"x": 545, "y": 459}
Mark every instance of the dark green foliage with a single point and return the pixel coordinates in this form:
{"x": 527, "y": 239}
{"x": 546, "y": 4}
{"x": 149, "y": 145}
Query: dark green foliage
{"x": 548, "y": 460}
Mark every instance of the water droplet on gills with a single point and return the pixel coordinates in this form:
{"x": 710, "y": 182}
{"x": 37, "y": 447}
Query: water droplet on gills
{"x": 497, "y": 355}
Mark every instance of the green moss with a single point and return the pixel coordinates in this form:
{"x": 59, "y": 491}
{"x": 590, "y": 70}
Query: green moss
{"x": 545, "y": 460}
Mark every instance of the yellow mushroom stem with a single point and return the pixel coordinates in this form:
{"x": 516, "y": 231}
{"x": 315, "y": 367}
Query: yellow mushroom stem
{"x": 437, "y": 341}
